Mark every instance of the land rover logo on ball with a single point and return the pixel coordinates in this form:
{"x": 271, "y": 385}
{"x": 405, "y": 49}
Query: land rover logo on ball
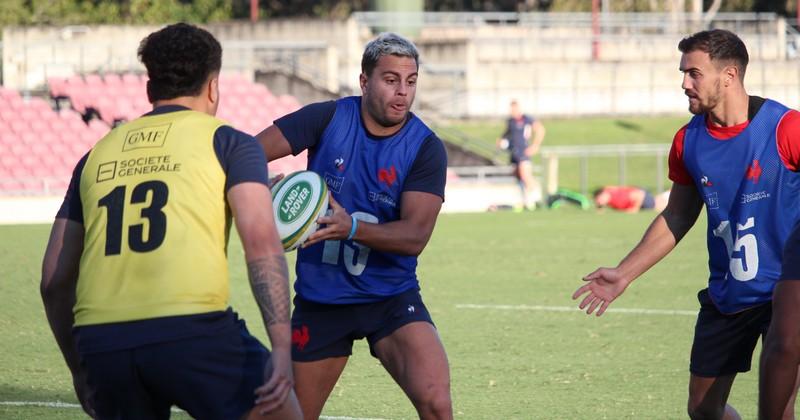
{"x": 295, "y": 202}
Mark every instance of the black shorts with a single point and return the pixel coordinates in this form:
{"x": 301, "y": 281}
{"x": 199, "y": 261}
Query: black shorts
{"x": 724, "y": 344}
{"x": 321, "y": 331}
{"x": 210, "y": 377}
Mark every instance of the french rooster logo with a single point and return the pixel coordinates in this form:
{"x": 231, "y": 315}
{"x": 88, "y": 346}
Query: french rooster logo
{"x": 754, "y": 172}
{"x": 387, "y": 176}
{"x": 300, "y": 337}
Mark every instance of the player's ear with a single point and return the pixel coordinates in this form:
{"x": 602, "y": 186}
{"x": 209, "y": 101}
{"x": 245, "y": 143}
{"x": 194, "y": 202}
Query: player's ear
{"x": 730, "y": 74}
{"x": 362, "y": 80}
{"x": 213, "y": 89}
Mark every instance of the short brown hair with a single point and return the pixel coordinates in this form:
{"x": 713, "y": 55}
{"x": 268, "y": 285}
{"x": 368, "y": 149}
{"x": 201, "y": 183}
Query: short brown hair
{"x": 721, "y": 46}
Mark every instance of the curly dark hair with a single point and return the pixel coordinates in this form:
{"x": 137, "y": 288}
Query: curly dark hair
{"x": 179, "y": 58}
{"x": 720, "y": 45}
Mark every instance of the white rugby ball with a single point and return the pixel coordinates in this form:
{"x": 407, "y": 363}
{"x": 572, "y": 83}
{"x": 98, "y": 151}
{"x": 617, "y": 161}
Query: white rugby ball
{"x": 297, "y": 201}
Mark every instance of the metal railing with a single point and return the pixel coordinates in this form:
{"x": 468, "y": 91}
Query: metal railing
{"x": 30, "y": 186}
{"x": 552, "y": 154}
{"x": 631, "y": 23}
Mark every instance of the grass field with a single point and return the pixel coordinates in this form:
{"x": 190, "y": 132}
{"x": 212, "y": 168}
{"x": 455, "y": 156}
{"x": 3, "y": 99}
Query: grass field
{"x": 495, "y": 284}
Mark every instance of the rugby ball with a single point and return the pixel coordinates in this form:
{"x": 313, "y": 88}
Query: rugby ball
{"x": 297, "y": 201}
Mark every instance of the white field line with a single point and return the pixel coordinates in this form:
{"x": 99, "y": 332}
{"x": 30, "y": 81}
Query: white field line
{"x": 542, "y": 308}
{"x": 59, "y": 404}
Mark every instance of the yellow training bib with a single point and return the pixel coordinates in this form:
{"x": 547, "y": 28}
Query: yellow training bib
{"x": 156, "y": 222}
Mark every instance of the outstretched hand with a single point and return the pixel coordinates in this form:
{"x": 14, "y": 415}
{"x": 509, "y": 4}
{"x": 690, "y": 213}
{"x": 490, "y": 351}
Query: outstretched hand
{"x": 337, "y": 224}
{"x": 601, "y": 288}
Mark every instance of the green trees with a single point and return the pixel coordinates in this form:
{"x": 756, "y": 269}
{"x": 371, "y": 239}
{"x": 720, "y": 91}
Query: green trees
{"x": 67, "y": 12}
{"x": 70, "y": 12}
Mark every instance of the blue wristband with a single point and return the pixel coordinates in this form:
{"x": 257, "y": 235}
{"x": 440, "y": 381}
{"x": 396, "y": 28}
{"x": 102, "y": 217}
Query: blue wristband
{"x": 353, "y": 227}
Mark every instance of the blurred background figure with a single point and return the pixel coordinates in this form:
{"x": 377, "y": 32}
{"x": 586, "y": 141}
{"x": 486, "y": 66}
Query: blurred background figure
{"x": 629, "y": 199}
{"x": 522, "y": 138}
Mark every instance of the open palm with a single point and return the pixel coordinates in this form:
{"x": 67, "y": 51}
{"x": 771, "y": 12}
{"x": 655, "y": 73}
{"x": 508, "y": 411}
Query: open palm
{"x": 601, "y": 288}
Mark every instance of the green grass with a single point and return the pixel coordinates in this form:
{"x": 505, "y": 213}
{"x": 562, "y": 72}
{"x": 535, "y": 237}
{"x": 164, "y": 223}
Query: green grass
{"x": 506, "y": 364}
{"x": 641, "y": 171}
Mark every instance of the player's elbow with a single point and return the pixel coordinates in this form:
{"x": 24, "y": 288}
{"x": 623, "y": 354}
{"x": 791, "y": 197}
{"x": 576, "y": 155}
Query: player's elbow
{"x": 260, "y": 246}
{"x": 50, "y": 288}
{"x": 416, "y": 245}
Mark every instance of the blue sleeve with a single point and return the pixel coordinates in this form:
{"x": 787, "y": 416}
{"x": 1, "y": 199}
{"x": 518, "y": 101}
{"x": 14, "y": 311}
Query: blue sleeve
{"x": 241, "y": 157}
{"x": 429, "y": 171}
{"x": 71, "y": 207}
{"x": 304, "y": 127}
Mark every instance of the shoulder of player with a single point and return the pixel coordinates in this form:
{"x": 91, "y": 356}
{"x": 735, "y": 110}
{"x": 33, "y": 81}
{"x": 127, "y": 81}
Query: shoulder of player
{"x": 680, "y": 134}
{"x": 789, "y": 122}
{"x": 228, "y": 133}
{"x": 433, "y": 150}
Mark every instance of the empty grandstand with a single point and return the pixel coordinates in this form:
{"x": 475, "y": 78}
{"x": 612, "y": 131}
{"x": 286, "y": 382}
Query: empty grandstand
{"x": 42, "y": 138}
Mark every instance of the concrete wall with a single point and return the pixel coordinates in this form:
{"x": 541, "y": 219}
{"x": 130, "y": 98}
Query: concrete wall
{"x": 325, "y": 50}
{"x": 466, "y": 71}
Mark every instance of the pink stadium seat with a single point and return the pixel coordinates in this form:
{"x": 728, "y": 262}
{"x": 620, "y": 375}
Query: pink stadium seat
{"x": 8, "y": 161}
{"x": 28, "y": 114}
{"x": 28, "y": 138}
{"x": 40, "y": 105}
{"x": 78, "y": 101}
{"x": 20, "y": 171}
{"x": 98, "y": 128}
{"x": 57, "y": 85}
{"x": 59, "y": 149}
{"x": 7, "y": 113}
{"x": 59, "y": 186}
{"x": 76, "y": 125}
{"x": 29, "y": 161}
{"x": 75, "y": 81}
{"x": 93, "y": 80}
{"x": 9, "y": 93}
{"x": 7, "y": 138}
{"x": 39, "y": 126}
{"x": 19, "y": 126}
{"x": 130, "y": 78}
{"x": 112, "y": 79}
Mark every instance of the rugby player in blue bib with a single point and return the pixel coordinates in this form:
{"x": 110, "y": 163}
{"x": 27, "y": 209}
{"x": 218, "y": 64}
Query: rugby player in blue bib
{"x": 738, "y": 156}
{"x": 356, "y": 276}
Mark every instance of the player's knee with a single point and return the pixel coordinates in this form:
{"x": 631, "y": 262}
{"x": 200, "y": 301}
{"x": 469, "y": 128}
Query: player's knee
{"x": 435, "y": 403}
{"x": 781, "y": 347}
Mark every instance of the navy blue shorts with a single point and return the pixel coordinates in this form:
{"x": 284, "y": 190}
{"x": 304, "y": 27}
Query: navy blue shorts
{"x": 209, "y": 376}
{"x": 724, "y": 344}
{"x": 321, "y": 331}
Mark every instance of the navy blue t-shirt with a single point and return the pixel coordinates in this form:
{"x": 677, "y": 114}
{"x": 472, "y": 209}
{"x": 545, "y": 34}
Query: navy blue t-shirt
{"x": 304, "y": 128}
{"x": 516, "y": 135}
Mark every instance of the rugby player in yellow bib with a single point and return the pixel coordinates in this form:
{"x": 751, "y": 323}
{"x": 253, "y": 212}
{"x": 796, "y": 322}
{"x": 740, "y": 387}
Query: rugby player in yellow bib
{"x": 135, "y": 277}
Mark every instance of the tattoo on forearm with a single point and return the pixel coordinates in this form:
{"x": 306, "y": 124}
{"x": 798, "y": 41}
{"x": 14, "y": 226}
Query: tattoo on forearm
{"x": 269, "y": 280}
